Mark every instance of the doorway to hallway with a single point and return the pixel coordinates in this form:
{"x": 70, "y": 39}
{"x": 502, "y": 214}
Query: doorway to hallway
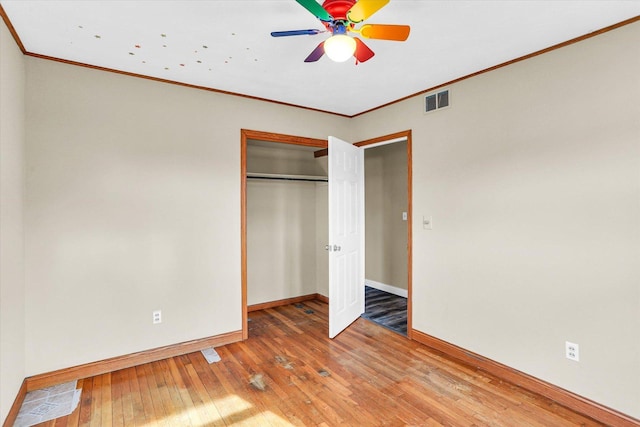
{"x": 388, "y": 235}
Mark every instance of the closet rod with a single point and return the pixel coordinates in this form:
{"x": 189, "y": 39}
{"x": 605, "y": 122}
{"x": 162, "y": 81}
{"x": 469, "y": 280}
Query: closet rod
{"x": 281, "y": 177}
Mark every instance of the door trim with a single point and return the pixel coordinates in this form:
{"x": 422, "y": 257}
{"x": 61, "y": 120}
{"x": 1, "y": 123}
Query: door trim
{"x": 389, "y": 138}
{"x": 246, "y": 134}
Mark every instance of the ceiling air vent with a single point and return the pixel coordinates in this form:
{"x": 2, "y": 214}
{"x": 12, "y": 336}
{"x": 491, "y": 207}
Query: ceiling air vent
{"x": 436, "y": 101}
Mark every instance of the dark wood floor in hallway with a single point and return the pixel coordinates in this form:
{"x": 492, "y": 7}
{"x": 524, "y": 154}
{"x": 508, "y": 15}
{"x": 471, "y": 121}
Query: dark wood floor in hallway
{"x": 386, "y": 309}
{"x": 290, "y": 373}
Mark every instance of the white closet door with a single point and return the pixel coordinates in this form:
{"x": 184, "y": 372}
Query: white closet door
{"x": 346, "y": 234}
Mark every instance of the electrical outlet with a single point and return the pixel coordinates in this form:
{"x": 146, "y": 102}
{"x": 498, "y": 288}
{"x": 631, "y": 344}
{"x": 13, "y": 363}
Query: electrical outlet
{"x": 572, "y": 351}
{"x": 157, "y": 316}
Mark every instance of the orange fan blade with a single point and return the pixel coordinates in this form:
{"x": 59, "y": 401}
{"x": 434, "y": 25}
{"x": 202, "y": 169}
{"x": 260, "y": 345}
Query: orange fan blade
{"x": 364, "y": 9}
{"x": 362, "y": 53}
{"x": 385, "y": 32}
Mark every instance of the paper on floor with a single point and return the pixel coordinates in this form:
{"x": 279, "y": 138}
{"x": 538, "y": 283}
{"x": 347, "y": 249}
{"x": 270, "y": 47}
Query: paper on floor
{"x": 211, "y": 355}
{"x": 48, "y": 404}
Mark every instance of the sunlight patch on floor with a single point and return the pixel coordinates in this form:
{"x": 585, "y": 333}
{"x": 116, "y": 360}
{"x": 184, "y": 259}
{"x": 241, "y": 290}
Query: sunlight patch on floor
{"x": 266, "y": 418}
{"x": 230, "y": 410}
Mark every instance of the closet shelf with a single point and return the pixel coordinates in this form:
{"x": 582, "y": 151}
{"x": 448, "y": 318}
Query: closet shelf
{"x": 283, "y": 177}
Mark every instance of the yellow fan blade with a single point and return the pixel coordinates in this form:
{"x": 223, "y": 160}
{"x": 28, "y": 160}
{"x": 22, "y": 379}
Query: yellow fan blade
{"x": 385, "y": 32}
{"x": 364, "y": 9}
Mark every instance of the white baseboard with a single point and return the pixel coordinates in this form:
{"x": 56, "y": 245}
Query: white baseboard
{"x": 387, "y": 288}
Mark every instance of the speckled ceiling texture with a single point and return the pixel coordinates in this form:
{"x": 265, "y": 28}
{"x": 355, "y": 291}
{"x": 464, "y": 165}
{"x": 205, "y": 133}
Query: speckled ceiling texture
{"x": 226, "y": 45}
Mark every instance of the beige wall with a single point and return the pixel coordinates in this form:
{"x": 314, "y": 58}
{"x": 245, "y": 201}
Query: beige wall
{"x": 532, "y": 179}
{"x": 133, "y": 205}
{"x": 322, "y": 238}
{"x": 322, "y": 229}
{"x": 386, "y": 199}
{"x": 12, "y": 303}
{"x": 275, "y": 158}
{"x": 282, "y": 222}
{"x": 281, "y": 240}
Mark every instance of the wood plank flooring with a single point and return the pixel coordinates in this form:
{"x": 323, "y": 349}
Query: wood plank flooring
{"x": 367, "y": 376}
{"x": 386, "y": 309}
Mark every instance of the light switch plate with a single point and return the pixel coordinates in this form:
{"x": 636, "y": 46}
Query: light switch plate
{"x": 427, "y": 222}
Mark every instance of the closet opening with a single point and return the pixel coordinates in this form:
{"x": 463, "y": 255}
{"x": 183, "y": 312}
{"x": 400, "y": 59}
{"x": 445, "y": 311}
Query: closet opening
{"x": 284, "y": 221}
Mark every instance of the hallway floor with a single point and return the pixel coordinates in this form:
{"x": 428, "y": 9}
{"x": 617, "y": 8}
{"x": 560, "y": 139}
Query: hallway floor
{"x": 386, "y": 309}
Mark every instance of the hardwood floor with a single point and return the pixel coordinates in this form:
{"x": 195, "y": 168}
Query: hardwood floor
{"x": 290, "y": 373}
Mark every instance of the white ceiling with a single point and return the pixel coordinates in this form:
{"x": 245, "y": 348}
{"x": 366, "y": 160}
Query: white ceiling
{"x": 226, "y": 45}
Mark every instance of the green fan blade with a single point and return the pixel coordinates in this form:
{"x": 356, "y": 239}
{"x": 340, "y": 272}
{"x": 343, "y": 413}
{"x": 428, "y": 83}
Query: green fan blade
{"x": 316, "y": 9}
{"x": 385, "y": 32}
{"x": 364, "y": 9}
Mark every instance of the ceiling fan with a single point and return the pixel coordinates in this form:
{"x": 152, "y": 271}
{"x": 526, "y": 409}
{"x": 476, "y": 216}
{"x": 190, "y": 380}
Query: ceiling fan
{"x": 341, "y": 17}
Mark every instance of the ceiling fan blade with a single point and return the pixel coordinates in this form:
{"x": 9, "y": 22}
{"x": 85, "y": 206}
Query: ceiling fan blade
{"x": 316, "y": 9}
{"x": 311, "y": 32}
{"x": 364, "y": 9}
{"x": 316, "y": 54}
{"x": 385, "y": 32}
{"x": 362, "y": 53}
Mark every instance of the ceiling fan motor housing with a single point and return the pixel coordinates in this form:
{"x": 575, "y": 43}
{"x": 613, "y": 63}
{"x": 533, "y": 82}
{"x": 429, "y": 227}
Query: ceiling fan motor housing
{"x": 338, "y": 8}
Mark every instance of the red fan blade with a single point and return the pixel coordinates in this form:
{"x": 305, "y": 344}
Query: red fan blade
{"x": 362, "y": 53}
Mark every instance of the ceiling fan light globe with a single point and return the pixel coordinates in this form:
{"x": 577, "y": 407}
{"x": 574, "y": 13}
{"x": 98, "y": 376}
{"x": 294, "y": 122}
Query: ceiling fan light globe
{"x": 339, "y": 48}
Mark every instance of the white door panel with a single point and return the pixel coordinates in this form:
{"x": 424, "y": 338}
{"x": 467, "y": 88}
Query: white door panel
{"x": 346, "y": 234}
